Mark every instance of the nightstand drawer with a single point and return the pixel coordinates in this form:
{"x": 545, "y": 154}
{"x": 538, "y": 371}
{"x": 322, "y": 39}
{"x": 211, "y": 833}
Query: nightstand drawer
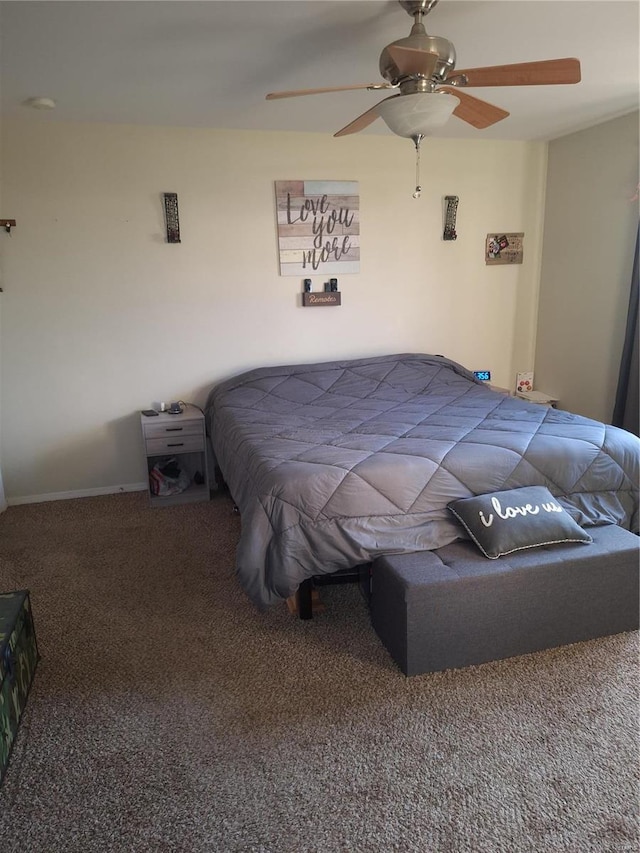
{"x": 168, "y": 430}
{"x": 174, "y": 443}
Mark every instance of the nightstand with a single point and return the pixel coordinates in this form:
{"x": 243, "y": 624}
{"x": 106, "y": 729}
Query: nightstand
{"x": 538, "y": 397}
{"x": 181, "y": 437}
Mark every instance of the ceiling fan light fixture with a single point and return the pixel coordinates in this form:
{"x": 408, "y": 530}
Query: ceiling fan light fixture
{"x": 417, "y": 114}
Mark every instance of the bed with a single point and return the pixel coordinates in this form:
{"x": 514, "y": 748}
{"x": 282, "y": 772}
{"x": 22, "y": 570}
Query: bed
{"x": 332, "y": 465}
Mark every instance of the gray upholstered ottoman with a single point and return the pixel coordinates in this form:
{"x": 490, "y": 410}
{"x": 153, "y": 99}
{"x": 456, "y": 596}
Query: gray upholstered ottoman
{"x": 453, "y": 607}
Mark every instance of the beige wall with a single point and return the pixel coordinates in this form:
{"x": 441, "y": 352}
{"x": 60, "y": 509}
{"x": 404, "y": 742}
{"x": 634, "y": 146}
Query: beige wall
{"x": 589, "y": 239}
{"x": 102, "y": 317}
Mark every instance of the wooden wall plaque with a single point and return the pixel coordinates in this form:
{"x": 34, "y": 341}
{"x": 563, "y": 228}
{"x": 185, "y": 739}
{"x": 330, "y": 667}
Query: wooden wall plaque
{"x": 332, "y": 298}
{"x": 318, "y": 227}
{"x": 504, "y": 248}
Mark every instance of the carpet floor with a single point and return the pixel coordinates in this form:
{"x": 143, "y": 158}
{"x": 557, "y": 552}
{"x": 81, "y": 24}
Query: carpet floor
{"x": 167, "y": 714}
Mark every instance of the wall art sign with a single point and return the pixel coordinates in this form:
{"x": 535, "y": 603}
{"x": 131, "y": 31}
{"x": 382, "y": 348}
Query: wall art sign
{"x": 318, "y": 227}
{"x": 504, "y": 248}
{"x": 315, "y": 299}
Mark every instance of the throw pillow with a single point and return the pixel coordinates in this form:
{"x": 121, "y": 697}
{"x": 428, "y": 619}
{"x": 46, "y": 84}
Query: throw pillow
{"x": 503, "y": 522}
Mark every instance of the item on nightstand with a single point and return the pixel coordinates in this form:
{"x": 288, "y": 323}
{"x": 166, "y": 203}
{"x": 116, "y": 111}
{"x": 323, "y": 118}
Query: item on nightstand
{"x": 524, "y": 381}
{"x": 175, "y": 409}
{"x": 18, "y": 659}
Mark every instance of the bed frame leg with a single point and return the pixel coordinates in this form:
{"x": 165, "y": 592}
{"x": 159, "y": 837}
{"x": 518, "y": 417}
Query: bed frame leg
{"x": 305, "y": 604}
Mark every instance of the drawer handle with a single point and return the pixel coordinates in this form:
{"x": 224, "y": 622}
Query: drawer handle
{"x": 174, "y": 429}
{"x": 175, "y": 444}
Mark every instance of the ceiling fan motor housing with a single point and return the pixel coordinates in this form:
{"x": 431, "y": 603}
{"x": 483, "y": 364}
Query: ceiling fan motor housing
{"x": 440, "y": 47}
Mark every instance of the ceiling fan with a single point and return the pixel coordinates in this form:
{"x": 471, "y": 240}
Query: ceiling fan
{"x": 422, "y": 67}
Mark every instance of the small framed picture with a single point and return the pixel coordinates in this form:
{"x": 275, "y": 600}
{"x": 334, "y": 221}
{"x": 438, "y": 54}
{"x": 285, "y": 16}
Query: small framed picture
{"x": 504, "y": 248}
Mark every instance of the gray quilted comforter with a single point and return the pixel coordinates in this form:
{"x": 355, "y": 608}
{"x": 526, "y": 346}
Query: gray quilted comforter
{"x": 333, "y": 464}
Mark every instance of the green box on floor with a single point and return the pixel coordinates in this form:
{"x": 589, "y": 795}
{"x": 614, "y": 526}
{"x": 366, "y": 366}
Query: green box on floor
{"x": 18, "y": 659}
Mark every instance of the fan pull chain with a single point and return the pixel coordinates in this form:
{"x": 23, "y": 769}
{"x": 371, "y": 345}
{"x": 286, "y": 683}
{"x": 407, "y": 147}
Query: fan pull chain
{"x": 417, "y": 140}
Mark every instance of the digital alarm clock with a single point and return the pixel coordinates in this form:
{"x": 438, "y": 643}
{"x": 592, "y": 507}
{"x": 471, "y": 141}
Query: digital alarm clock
{"x": 484, "y": 375}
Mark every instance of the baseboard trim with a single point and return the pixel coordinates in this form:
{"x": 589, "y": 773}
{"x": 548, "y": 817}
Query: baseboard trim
{"x": 77, "y": 493}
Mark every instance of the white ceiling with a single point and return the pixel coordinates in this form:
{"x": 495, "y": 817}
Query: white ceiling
{"x": 210, "y": 63}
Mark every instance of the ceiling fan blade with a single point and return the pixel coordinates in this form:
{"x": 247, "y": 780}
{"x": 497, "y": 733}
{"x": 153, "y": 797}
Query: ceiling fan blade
{"x": 547, "y": 72}
{"x": 410, "y": 60}
{"x": 478, "y": 113}
{"x": 294, "y": 93}
{"x": 359, "y": 123}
